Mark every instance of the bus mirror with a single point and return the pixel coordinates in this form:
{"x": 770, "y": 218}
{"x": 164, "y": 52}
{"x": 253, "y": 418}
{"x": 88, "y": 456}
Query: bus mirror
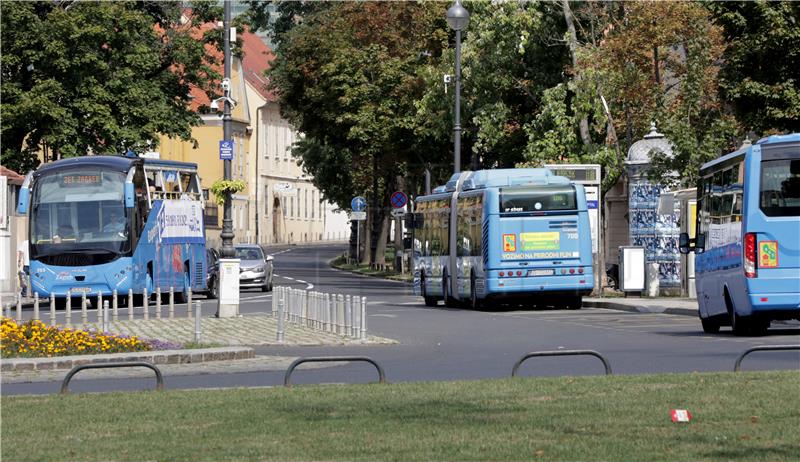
{"x": 25, "y": 194}
{"x": 700, "y": 243}
{"x": 130, "y": 195}
{"x": 683, "y": 243}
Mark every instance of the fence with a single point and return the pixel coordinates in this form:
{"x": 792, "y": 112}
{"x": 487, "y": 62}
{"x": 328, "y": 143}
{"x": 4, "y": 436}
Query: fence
{"x": 105, "y": 307}
{"x": 344, "y": 315}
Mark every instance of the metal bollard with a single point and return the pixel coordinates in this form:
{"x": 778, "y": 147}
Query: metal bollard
{"x": 105, "y": 316}
{"x": 99, "y": 306}
{"x": 326, "y": 321}
{"x": 68, "y": 310}
{"x": 130, "y": 304}
{"x": 84, "y": 313}
{"x": 172, "y": 303}
{"x": 114, "y": 306}
{"x": 348, "y": 316}
{"x": 19, "y": 308}
{"x": 281, "y": 294}
{"x": 158, "y": 302}
{"x": 340, "y": 314}
{"x": 52, "y": 310}
{"x": 189, "y": 303}
{"x": 198, "y": 314}
{"x": 364, "y": 318}
{"x": 36, "y": 306}
{"x": 304, "y": 307}
{"x": 146, "y": 303}
{"x": 356, "y": 316}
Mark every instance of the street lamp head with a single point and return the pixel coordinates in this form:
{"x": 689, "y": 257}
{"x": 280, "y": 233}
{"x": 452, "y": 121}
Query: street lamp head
{"x": 214, "y": 105}
{"x": 457, "y": 16}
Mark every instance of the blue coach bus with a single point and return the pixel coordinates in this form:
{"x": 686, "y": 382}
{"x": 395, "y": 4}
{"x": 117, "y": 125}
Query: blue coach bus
{"x": 104, "y": 223}
{"x": 518, "y": 235}
{"x": 747, "y": 265}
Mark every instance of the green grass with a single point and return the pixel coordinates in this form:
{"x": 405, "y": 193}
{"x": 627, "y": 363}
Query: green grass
{"x": 341, "y": 263}
{"x": 745, "y": 416}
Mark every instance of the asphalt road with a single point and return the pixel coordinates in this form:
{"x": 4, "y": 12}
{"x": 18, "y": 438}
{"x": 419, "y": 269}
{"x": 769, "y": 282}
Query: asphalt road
{"x": 451, "y": 344}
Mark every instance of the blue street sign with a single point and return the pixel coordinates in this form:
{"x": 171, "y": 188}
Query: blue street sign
{"x": 358, "y": 204}
{"x": 226, "y": 149}
{"x": 399, "y": 199}
{"x": 591, "y": 204}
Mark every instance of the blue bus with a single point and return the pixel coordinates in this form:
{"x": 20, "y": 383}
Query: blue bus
{"x": 514, "y": 235}
{"x": 747, "y": 263}
{"x": 103, "y": 223}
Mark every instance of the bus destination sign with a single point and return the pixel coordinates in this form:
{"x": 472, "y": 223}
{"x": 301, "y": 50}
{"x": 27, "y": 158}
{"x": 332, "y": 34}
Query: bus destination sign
{"x": 81, "y": 180}
{"x": 576, "y": 174}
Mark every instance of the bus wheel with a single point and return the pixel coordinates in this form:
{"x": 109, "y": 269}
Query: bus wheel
{"x": 180, "y": 295}
{"x": 448, "y": 300}
{"x": 474, "y": 301}
{"x": 745, "y": 325}
{"x": 575, "y": 303}
{"x": 710, "y": 326}
{"x": 429, "y": 301}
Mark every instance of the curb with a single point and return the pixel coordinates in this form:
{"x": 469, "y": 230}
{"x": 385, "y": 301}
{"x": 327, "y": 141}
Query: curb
{"x": 374, "y": 276}
{"x": 155, "y": 357}
{"x": 639, "y": 309}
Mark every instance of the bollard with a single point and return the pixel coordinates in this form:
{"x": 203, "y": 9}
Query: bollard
{"x": 198, "y": 314}
{"x": 130, "y": 304}
{"x": 146, "y": 303}
{"x": 364, "y": 318}
{"x": 36, "y": 306}
{"x": 172, "y": 303}
{"x": 52, "y": 310}
{"x": 271, "y": 310}
{"x": 84, "y": 313}
{"x": 281, "y": 294}
{"x": 19, "y": 308}
{"x": 315, "y": 314}
{"x": 114, "y": 306}
{"x": 99, "y": 306}
{"x": 356, "y": 316}
{"x": 189, "y": 303}
{"x": 105, "y": 316}
{"x": 326, "y": 322}
{"x": 158, "y": 302}
{"x": 304, "y": 307}
{"x": 68, "y": 310}
{"x": 348, "y": 316}
{"x": 340, "y": 314}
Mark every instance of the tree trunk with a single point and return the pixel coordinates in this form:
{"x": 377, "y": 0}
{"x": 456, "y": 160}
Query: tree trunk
{"x": 383, "y": 235}
{"x": 572, "y": 38}
{"x": 366, "y": 239}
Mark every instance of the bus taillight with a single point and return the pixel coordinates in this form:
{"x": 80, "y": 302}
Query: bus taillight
{"x": 502, "y": 273}
{"x": 750, "y": 255}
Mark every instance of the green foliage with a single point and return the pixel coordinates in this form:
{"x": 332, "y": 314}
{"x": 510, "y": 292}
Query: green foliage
{"x": 221, "y": 188}
{"x": 101, "y": 77}
{"x": 759, "y": 75}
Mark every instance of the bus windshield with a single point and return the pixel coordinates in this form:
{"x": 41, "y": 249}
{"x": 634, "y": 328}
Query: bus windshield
{"x": 780, "y": 187}
{"x": 539, "y": 199}
{"x": 78, "y": 217}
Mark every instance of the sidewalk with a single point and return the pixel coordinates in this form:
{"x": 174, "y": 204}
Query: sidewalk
{"x": 666, "y": 305}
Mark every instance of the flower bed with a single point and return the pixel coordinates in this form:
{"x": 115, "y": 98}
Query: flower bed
{"x": 34, "y": 339}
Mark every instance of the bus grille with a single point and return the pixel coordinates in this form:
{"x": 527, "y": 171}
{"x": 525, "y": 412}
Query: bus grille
{"x": 199, "y": 275}
{"x": 485, "y": 244}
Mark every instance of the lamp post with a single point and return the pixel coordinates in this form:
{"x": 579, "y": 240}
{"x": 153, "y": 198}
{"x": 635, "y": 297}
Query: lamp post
{"x": 227, "y": 224}
{"x": 457, "y": 19}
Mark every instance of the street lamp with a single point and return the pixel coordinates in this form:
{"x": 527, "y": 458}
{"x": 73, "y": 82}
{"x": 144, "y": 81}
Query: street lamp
{"x": 457, "y": 19}
{"x": 225, "y": 98}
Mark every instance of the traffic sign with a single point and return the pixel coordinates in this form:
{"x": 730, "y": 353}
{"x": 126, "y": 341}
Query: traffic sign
{"x": 358, "y": 216}
{"x": 226, "y": 149}
{"x": 399, "y": 199}
{"x": 398, "y": 212}
{"x": 358, "y": 204}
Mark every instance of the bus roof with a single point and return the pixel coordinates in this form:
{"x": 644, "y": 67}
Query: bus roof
{"x": 169, "y": 164}
{"x": 512, "y": 177}
{"x": 774, "y": 139}
{"x": 119, "y": 163}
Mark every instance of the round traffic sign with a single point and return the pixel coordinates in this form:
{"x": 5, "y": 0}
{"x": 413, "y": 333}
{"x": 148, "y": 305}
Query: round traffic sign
{"x": 399, "y": 199}
{"x": 358, "y": 204}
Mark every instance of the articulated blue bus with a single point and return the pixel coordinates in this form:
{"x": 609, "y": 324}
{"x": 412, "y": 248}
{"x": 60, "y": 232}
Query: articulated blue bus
{"x": 747, "y": 266}
{"x": 103, "y": 223}
{"x": 517, "y": 235}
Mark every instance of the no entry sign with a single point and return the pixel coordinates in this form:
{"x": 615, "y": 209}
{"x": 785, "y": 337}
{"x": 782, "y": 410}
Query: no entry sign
{"x": 399, "y": 199}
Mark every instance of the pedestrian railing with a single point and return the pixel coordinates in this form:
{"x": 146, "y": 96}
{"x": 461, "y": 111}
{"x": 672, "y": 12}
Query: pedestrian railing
{"x": 534, "y": 354}
{"x": 76, "y": 369}
{"x": 339, "y": 314}
{"x": 738, "y": 366}
{"x": 287, "y": 379}
{"x": 105, "y": 308}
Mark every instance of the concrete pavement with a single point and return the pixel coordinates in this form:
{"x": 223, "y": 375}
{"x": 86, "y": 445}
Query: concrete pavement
{"x": 665, "y": 305}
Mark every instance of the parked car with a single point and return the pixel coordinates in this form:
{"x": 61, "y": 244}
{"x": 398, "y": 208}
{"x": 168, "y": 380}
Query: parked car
{"x": 255, "y": 269}
{"x": 212, "y": 270}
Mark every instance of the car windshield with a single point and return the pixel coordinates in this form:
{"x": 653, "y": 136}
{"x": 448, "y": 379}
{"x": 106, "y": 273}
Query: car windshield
{"x": 249, "y": 253}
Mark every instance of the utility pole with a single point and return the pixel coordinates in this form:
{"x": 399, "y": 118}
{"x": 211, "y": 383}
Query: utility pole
{"x": 227, "y": 224}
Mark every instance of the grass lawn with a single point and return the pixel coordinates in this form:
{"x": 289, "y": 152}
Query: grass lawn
{"x": 744, "y": 416}
{"x": 341, "y": 263}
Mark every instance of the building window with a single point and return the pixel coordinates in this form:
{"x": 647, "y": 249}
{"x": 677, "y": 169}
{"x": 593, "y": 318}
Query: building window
{"x": 313, "y": 208}
{"x": 305, "y": 204}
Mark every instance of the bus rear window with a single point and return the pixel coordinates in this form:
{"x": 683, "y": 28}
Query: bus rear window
{"x": 780, "y": 187}
{"x": 540, "y": 199}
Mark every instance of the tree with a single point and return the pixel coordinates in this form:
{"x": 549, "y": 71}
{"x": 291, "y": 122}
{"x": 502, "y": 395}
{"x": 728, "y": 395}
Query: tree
{"x": 759, "y": 75}
{"x": 81, "y": 77}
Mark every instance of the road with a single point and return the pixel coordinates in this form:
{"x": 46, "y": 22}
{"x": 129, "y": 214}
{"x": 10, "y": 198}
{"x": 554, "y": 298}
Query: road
{"x": 452, "y": 344}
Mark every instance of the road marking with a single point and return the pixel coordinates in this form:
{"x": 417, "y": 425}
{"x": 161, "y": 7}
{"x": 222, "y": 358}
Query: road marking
{"x": 383, "y": 315}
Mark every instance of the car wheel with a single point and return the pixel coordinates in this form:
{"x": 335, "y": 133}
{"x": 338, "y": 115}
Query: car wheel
{"x": 213, "y": 289}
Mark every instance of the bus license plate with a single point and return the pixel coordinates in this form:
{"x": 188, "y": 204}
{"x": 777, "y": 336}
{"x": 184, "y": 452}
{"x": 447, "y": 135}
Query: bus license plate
{"x": 80, "y": 289}
{"x": 541, "y": 272}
